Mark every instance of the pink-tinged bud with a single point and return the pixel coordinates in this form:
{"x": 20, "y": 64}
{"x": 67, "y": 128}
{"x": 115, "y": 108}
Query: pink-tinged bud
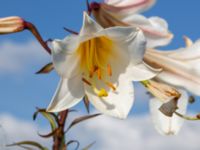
{"x": 198, "y": 116}
{"x": 15, "y": 24}
{"x": 11, "y": 25}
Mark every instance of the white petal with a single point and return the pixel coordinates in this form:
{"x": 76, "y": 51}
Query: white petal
{"x": 155, "y": 29}
{"x": 176, "y": 72}
{"x": 141, "y": 72}
{"x": 64, "y": 59}
{"x": 89, "y": 26}
{"x": 189, "y": 53}
{"x": 118, "y": 103}
{"x": 176, "y": 80}
{"x": 68, "y": 94}
{"x": 129, "y": 40}
{"x": 130, "y": 46}
{"x": 188, "y": 41}
{"x": 168, "y": 125}
{"x": 131, "y": 6}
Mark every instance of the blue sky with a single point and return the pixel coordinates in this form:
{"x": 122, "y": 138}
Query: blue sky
{"x": 23, "y": 91}
{"x": 21, "y": 56}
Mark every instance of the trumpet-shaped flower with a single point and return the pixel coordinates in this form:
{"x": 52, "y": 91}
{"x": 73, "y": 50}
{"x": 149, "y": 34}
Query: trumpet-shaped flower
{"x": 124, "y": 13}
{"x": 180, "y": 67}
{"x": 168, "y": 125}
{"x": 99, "y": 63}
{"x": 163, "y": 108}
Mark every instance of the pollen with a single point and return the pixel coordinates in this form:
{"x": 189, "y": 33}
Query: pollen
{"x": 101, "y": 93}
{"x": 99, "y": 73}
{"x": 92, "y": 71}
{"x": 109, "y": 70}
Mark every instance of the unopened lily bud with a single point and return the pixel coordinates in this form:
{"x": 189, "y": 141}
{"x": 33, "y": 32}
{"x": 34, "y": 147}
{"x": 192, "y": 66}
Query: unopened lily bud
{"x": 198, "y": 116}
{"x": 11, "y": 25}
{"x": 15, "y": 24}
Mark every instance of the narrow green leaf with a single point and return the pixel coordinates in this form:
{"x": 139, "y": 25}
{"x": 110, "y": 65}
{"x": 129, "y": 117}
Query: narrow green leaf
{"x": 73, "y": 141}
{"x": 86, "y": 103}
{"x": 46, "y": 69}
{"x": 30, "y": 143}
{"x": 26, "y": 147}
{"x": 89, "y": 146}
{"x": 50, "y": 134}
{"x": 80, "y": 119}
{"x": 52, "y": 118}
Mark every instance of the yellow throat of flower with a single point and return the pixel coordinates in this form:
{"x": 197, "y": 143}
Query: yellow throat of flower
{"x": 94, "y": 55}
{"x": 95, "y": 52}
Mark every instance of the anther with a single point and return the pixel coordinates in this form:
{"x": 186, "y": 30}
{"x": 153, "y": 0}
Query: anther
{"x": 101, "y": 93}
{"x": 86, "y": 81}
{"x": 92, "y": 71}
{"x": 109, "y": 70}
{"x": 99, "y": 73}
{"x": 111, "y": 86}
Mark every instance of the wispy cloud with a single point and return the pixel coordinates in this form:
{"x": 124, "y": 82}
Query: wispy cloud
{"x": 110, "y": 134}
{"x": 15, "y": 130}
{"x": 16, "y": 57}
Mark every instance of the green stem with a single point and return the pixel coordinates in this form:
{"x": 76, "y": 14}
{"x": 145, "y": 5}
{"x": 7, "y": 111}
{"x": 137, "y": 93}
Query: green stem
{"x": 59, "y": 139}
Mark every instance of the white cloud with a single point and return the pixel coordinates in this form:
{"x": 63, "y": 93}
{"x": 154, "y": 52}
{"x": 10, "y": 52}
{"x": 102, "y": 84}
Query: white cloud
{"x": 15, "y": 57}
{"x": 111, "y": 134}
{"x": 15, "y": 130}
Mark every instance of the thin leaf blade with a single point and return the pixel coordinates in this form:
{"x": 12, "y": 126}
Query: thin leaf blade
{"x": 30, "y": 143}
{"x": 89, "y": 146}
{"x": 46, "y": 69}
{"x": 81, "y": 119}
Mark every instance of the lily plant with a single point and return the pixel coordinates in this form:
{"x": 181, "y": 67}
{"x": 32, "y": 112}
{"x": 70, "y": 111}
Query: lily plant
{"x": 99, "y": 64}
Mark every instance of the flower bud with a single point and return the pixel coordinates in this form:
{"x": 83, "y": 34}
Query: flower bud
{"x": 198, "y": 116}
{"x": 11, "y": 25}
{"x": 15, "y": 24}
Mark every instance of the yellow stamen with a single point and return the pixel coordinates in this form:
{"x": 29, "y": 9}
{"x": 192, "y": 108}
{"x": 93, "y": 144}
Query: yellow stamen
{"x": 109, "y": 70}
{"x": 111, "y": 86}
{"x": 101, "y": 93}
{"x": 92, "y": 71}
{"x": 99, "y": 73}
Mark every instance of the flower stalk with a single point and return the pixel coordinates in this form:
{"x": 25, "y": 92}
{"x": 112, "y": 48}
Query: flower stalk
{"x": 35, "y": 32}
{"x": 14, "y": 24}
{"x": 59, "y": 138}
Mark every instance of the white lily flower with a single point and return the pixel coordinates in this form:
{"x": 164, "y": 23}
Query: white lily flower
{"x": 180, "y": 67}
{"x": 99, "y": 63}
{"x": 124, "y": 13}
{"x": 168, "y": 125}
{"x": 130, "y": 6}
